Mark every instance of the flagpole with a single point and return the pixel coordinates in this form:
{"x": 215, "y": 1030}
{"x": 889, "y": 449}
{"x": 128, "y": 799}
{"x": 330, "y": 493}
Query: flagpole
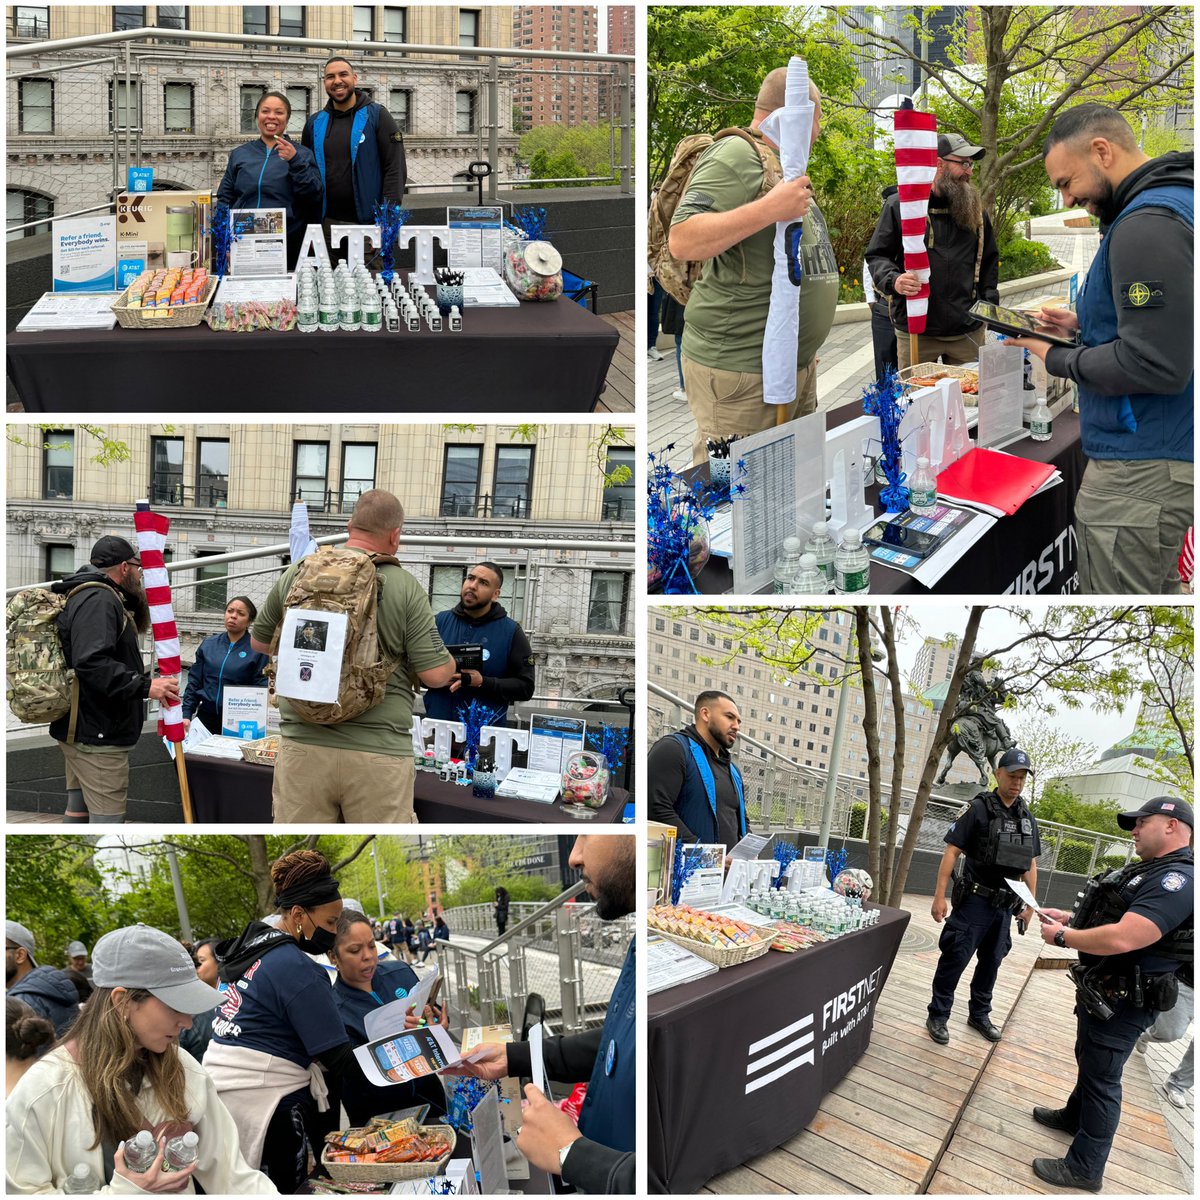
{"x": 184, "y": 794}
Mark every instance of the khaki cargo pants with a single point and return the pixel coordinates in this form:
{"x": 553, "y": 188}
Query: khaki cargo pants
{"x": 725, "y": 403}
{"x": 1130, "y": 521}
{"x": 101, "y": 774}
{"x": 323, "y": 785}
{"x": 954, "y": 352}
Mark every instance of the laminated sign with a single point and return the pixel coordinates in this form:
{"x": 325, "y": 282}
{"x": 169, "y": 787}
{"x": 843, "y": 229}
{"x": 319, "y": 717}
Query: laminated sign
{"x": 311, "y": 647}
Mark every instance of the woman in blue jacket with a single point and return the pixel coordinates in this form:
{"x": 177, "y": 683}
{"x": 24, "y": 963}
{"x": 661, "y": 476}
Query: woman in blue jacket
{"x": 223, "y": 660}
{"x": 272, "y": 172}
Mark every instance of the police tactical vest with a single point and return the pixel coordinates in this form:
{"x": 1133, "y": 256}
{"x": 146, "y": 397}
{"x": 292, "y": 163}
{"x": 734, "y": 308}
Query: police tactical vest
{"x": 1109, "y": 895}
{"x": 1008, "y": 840}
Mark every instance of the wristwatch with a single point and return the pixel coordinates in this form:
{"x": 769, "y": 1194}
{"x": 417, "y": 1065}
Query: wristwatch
{"x": 562, "y": 1157}
{"x": 1060, "y": 939}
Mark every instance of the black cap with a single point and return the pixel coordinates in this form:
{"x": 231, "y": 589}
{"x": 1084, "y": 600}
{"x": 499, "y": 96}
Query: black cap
{"x": 1015, "y": 760}
{"x": 1168, "y": 806}
{"x": 110, "y": 551}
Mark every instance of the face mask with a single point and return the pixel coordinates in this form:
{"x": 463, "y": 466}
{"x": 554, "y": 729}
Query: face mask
{"x": 321, "y": 942}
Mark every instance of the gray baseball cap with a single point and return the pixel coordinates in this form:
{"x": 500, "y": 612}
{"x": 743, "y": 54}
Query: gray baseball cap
{"x": 954, "y": 143}
{"x": 141, "y": 957}
{"x": 77, "y": 950}
{"x": 14, "y": 932}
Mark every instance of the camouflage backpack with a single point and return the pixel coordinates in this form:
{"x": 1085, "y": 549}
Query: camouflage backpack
{"x": 677, "y": 276}
{"x": 338, "y": 580}
{"x": 41, "y": 686}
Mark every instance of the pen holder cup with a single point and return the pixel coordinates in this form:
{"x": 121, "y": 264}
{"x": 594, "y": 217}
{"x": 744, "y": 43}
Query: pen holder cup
{"x": 449, "y": 295}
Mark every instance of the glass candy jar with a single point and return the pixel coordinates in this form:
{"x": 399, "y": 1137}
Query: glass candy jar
{"x": 585, "y": 781}
{"x": 533, "y": 270}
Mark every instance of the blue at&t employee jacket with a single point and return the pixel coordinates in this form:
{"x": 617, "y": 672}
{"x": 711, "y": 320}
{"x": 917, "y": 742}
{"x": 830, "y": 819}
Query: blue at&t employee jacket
{"x": 697, "y": 803}
{"x": 256, "y": 177}
{"x": 219, "y": 664}
{"x": 373, "y": 179}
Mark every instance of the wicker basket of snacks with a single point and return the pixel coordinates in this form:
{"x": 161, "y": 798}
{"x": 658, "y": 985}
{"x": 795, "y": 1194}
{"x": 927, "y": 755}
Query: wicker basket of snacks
{"x": 387, "y": 1151}
{"x": 165, "y": 300}
{"x": 926, "y": 374}
{"x": 263, "y": 751}
{"x": 714, "y": 937}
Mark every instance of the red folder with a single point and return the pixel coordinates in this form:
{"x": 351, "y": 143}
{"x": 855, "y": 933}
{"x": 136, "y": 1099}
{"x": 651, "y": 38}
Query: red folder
{"x": 992, "y": 480}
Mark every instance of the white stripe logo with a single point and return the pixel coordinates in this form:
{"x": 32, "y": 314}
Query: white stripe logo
{"x": 795, "y": 1051}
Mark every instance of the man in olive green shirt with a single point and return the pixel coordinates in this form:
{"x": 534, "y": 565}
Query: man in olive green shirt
{"x": 362, "y": 769}
{"x": 723, "y": 222}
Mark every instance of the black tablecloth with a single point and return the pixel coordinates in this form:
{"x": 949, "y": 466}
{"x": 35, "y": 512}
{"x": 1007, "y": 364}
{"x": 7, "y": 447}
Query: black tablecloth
{"x": 800, "y": 1021}
{"x": 225, "y": 791}
{"x": 1031, "y": 551}
{"x": 535, "y": 358}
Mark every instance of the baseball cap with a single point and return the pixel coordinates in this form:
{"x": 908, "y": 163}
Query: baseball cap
{"x": 111, "y": 550}
{"x": 15, "y": 932}
{"x": 1168, "y": 806}
{"x": 77, "y": 950}
{"x": 1015, "y": 760}
{"x": 141, "y": 957}
{"x": 953, "y": 143}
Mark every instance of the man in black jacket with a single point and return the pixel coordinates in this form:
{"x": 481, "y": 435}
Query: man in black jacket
{"x": 964, "y": 262}
{"x": 597, "y": 1156}
{"x": 106, "y": 610}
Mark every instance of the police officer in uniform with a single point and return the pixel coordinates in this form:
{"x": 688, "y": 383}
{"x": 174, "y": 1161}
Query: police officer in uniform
{"x": 1133, "y": 930}
{"x": 997, "y": 839}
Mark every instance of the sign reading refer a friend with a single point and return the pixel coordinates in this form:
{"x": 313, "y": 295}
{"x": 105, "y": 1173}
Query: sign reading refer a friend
{"x": 311, "y": 646}
{"x": 84, "y": 254}
{"x": 244, "y": 712}
{"x": 476, "y": 237}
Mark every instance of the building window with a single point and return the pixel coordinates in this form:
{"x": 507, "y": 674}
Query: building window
{"x": 124, "y": 111}
{"x": 362, "y": 23}
{"x": 254, "y": 18}
{"x": 129, "y": 16}
{"x": 35, "y": 106}
{"x": 445, "y": 588}
{"x": 395, "y": 25}
{"x": 177, "y": 108}
{"x": 460, "y": 480}
{"x": 358, "y": 472}
{"x": 211, "y": 593}
{"x": 618, "y": 497}
{"x": 171, "y": 16}
{"x": 468, "y": 27}
{"x": 23, "y": 207}
{"x": 298, "y": 98}
{"x": 166, "y": 470}
{"x": 212, "y": 473}
{"x": 60, "y": 561}
{"x": 250, "y": 94}
{"x": 291, "y": 20}
{"x": 31, "y": 22}
{"x": 607, "y": 602}
{"x": 58, "y": 465}
{"x": 464, "y": 112}
{"x": 400, "y": 106}
{"x": 310, "y": 473}
{"x": 513, "y": 482}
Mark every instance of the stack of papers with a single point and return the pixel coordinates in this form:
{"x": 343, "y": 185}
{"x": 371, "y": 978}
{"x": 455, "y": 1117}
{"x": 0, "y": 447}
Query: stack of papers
{"x": 71, "y": 310}
{"x": 524, "y": 784}
{"x": 668, "y": 964}
{"x": 483, "y": 288}
{"x": 217, "y": 747}
{"x": 994, "y": 482}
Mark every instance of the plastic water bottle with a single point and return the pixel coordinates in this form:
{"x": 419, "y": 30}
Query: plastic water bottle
{"x": 351, "y": 314}
{"x": 181, "y": 1152}
{"x": 821, "y": 546}
{"x": 810, "y": 580}
{"x": 1040, "y": 421}
{"x": 372, "y": 314}
{"x": 307, "y": 312}
{"x": 922, "y": 490}
{"x": 82, "y": 1181}
{"x": 786, "y": 565}
{"x": 328, "y": 313}
{"x": 140, "y": 1152}
{"x": 852, "y": 565}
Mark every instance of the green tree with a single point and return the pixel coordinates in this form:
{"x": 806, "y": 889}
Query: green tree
{"x": 1053, "y": 752}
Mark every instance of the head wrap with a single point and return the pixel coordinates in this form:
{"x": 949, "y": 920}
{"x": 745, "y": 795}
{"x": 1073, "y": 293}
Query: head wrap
{"x": 312, "y": 893}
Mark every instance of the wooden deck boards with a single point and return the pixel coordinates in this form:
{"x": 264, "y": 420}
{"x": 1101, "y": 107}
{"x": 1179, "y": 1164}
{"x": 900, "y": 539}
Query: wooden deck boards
{"x": 914, "y": 1117}
{"x": 620, "y": 386}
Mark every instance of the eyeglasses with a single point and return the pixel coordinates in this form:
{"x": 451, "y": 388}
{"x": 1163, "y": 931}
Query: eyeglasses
{"x": 961, "y": 162}
{"x": 133, "y": 562}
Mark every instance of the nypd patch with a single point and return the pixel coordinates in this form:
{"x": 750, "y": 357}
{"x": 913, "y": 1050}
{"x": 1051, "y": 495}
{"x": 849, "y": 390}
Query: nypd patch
{"x": 1172, "y": 881}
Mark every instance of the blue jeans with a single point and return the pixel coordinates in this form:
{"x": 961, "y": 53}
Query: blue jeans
{"x": 977, "y": 928}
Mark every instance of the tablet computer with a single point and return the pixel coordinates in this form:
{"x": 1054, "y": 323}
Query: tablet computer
{"x": 1019, "y": 324}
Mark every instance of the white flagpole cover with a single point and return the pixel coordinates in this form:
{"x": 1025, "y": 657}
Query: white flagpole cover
{"x": 790, "y": 128}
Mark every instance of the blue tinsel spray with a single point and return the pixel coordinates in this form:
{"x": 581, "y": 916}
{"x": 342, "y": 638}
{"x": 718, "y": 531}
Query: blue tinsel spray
{"x": 786, "y": 853}
{"x": 883, "y": 400}
{"x": 390, "y": 218}
{"x": 610, "y": 741}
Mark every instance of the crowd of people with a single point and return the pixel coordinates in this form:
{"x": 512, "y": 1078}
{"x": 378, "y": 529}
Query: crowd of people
{"x": 712, "y": 229}
{"x": 355, "y": 765}
{"x": 249, "y": 1042}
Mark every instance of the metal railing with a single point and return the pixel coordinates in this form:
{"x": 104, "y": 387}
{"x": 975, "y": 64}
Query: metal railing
{"x": 558, "y": 950}
{"x": 494, "y": 86}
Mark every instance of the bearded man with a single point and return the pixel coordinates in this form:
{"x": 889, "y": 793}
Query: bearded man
{"x": 106, "y": 610}
{"x": 964, "y": 262}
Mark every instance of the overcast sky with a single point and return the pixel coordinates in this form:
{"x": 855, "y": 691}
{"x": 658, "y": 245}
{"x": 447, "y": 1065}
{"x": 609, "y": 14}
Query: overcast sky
{"x": 999, "y": 628}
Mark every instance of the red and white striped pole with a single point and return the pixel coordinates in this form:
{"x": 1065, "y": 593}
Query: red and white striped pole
{"x": 916, "y": 165}
{"x": 152, "y": 539}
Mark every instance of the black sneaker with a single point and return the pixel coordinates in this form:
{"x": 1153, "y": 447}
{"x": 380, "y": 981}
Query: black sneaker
{"x": 937, "y": 1030}
{"x": 984, "y": 1026}
{"x": 1054, "y": 1118}
{"x": 1056, "y": 1171}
